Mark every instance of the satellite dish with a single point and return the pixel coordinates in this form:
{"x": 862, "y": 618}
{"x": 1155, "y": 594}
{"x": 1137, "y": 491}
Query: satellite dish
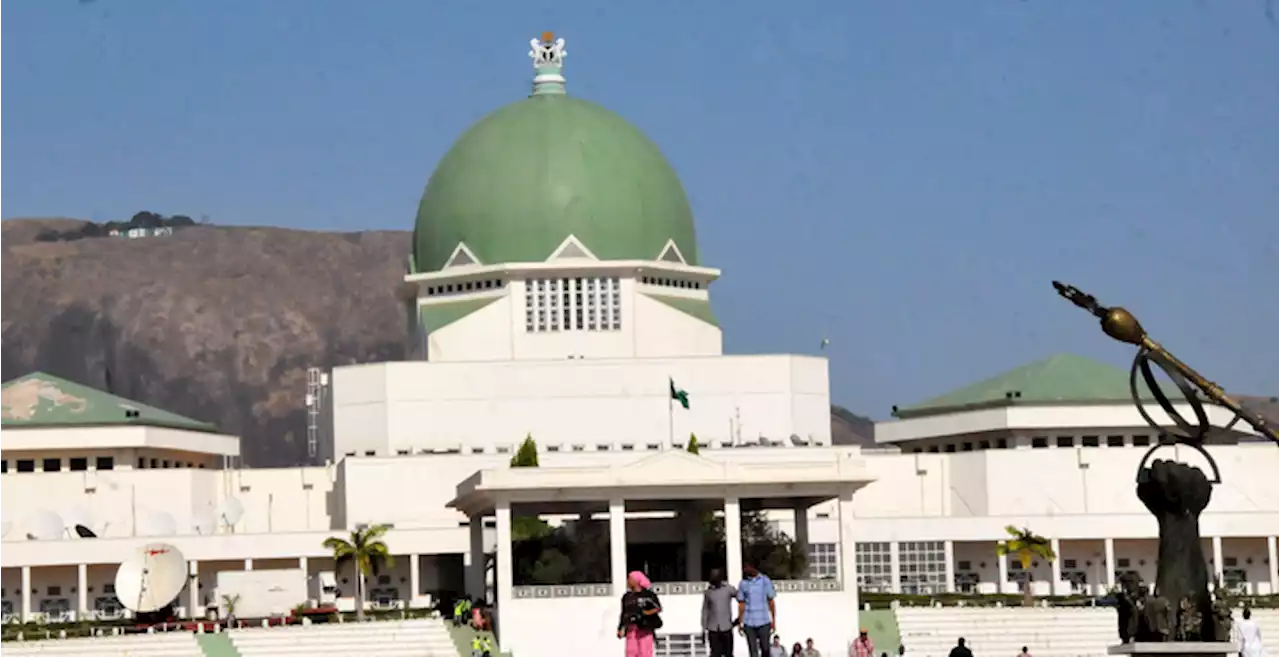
{"x": 151, "y": 578}
{"x": 159, "y": 523}
{"x": 85, "y": 532}
{"x": 5, "y": 528}
{"x": 231, "y": 511}
{"x": 204, "y": 523}
{"x": 45, "y": 526}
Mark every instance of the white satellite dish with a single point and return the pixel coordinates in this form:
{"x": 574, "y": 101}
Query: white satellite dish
{"x": 204, "y": 523}
{"x": 5, "y": 528}
{"x": 158, "y": 523}
{"x": 45, "y": 526}
{"x": 151, "y": 578}
{"x": 231, "y": 511}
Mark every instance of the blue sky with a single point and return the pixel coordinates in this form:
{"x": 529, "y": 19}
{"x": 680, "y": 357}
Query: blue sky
{"x": 904, "y": 178}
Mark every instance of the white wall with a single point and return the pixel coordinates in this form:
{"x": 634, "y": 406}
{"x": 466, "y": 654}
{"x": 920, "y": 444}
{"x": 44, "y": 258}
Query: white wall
{"x": 389, "y": 408}
{"x": 497, "y": 332}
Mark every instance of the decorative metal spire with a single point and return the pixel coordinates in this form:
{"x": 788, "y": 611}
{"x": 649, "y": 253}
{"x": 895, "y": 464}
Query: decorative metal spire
{"x": 548, "y": 55}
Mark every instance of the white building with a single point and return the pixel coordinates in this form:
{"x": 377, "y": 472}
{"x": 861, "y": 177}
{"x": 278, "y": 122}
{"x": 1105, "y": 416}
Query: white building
{"x": 560, "y": 295}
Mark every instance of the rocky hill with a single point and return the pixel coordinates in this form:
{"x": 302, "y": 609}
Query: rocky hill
{"x": 216, "y": 323}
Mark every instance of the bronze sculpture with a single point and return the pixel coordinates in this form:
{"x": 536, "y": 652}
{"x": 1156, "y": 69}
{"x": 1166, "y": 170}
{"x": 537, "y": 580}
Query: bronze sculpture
{"x": 1181, "y": 608}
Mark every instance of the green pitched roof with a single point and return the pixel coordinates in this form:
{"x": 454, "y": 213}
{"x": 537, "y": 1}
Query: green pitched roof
{"x": 697, "y": 308}
{"x": 526, "y": 177}
{"x": 434, "y": 316}
{"x": 1060, "y": 379}
{"x": 39, "y": 400}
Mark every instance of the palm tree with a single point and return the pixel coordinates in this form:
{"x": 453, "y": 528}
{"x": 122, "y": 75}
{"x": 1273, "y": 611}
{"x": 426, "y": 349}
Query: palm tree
{"x": 1026, "y": 546}
{"x": 367, "y": 554}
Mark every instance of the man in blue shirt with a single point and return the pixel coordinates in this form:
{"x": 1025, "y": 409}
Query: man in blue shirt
{"x": 756, "y": 611}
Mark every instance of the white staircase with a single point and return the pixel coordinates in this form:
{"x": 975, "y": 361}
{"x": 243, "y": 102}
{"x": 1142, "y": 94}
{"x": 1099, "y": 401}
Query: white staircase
{"x": 410, "y": 638}
{"x": 1269, "y": 621}
{"x": 168, "y": 644}
{"x": 1002, "y": 632}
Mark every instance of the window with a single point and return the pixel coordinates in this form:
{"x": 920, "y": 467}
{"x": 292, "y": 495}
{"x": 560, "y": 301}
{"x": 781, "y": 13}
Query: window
{"x": 1115, "y": 441}
{"x": 1089, "y": 441}
{"x": 25, "y": 465}
{"x": 55, "y": 590}
{"x": 78, "y": 463}
{"x": 1039, "y": 443}
{"x": 950, "y": 448}
{"x": 922, "y": 567}
{"x": 986, "y": 444}
{"x": 106, "y": 463}
{"x": 142, "y": 463}
{"x": 52, "y": 465}
{"x": 1066, "y": 441}
{"x": 155, "y": 463}
{"x": 872, "y": 561}
{"x": 968, "y": 447}
{"x": 572, "y": 304}
{"x": 1141, "y": 440}
{"x": 603, "y": 447}
{"x": 370, "y": 452}
{"x": 824, "y": 559}
{"x": 933, "y": 449}
{"x": 4, "y": 467}
{"x": 1003, "y": 443}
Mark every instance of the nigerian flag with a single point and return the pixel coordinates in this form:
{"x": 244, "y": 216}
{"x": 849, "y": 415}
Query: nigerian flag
{"x": 678, "y": 394}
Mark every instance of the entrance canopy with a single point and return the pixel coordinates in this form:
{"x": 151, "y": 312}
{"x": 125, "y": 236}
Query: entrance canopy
{"x": 670, "y": 475}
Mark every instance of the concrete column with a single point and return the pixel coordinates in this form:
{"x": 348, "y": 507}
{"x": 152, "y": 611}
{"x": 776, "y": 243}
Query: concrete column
{"x": 193, "y": 587}
{"x": 1055, "y": 567}
{"x": 847, "y": 549}
{"x": 1272, "y": 571}
{"x": 248, "y": 564}
{"x": 505, "y": 566}
{"x": 692, "y": 520}
{"x": 415, "y": 578}
{"x": 26, "y": 594}
{"x": 82, "y": 591}
{"x": 303, "y": 565}
{"x": 475, "y": 558}
{"x": 618, "y": 545}
{"x": 801, "y": 513}
{"x": 1109, "y": 562}
{"x": 895, "y": 568}
{"x": 1217, "y": 562}
{"x": 732, "y": 538}
{"x": 1002, "y": 573}
{"x": 949, "y": 571}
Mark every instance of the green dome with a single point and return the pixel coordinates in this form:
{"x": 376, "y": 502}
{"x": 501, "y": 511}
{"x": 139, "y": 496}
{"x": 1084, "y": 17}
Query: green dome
{"x": 531, "y": 174}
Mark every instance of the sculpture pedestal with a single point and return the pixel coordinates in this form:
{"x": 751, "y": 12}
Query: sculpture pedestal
{"x": 1175, "y": 649}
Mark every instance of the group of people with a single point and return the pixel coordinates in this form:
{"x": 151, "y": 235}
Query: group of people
{"x": 757, "y": 617}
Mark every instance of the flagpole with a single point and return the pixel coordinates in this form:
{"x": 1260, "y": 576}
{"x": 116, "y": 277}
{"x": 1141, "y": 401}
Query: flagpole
{"x": 671, "y": 422}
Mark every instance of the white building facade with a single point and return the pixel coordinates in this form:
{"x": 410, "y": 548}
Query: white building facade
{"x": 570, "y": 310}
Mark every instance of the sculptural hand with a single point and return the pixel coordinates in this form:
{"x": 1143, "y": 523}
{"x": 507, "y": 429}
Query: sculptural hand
{"x": 1168, "y": 488}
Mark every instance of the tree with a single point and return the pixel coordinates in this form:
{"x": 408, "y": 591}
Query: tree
{"x": 1026, "y": 546}
{"x": 692, "y": 447}
{"x": 763, "y": 545}
{"x": 366, "y": 552}
{"x": 527, "y": 454}
{"x": 229, "y": 602}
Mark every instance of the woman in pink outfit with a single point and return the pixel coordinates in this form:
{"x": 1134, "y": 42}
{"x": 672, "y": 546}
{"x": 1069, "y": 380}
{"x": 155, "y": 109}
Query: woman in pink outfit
{"x": 639, "y": 617}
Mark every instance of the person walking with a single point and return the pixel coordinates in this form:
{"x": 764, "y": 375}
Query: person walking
{"x": 960, "y": 650}
{"x": 757, "y": 612}
{"x": 717, "y": 614}
{"x": 862, "y": 646}
{"x": 1249, "y": 636}
{"x": 639, "y": 617}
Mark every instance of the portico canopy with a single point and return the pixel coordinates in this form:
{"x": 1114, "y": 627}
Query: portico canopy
{"x": 670, "y": 475}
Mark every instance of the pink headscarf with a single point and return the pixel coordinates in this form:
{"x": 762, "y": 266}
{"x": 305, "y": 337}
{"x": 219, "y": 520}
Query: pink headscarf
{"x": 641, "y": 579}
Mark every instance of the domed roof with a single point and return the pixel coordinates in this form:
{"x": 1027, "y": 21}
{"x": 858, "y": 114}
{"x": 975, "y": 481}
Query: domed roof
{"x": 523, "y": 179}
